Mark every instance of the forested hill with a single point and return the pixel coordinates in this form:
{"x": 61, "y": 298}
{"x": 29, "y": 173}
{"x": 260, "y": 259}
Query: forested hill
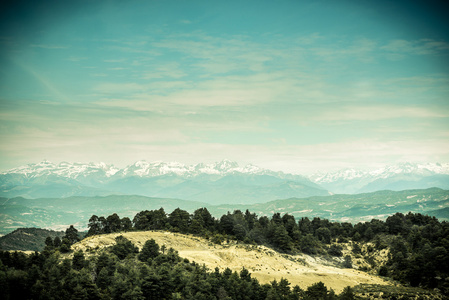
{"x": 354, "y": 208}
{"x": 31, "y": 239}
{"x": 417, "y": 247}
{"x": 58, "y": 213}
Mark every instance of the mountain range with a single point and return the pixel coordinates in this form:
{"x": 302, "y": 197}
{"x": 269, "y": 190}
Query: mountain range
{"x": 397, "y": 177}
{"x": 222, "y": 182}
{"x": 55, "y": 195}
{"x": 216, "y": 183}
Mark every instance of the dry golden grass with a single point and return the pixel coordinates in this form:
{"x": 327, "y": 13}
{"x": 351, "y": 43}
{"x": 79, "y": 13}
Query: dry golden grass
{"x": 264, "y": 264}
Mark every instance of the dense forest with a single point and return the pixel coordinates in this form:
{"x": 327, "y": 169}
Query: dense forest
{"x": 418, "y": 256}
{"x": 124, "y": 272}
{"x": 418, "y": 244}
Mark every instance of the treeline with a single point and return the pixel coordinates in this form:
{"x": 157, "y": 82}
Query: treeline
{"x": 418, "y": 244}
{"x": 122, "y": 272}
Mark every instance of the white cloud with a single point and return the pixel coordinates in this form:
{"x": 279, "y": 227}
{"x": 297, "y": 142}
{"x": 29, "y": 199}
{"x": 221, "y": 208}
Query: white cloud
{"x": 381, "y": 112}
{"x": 416, "y": 47}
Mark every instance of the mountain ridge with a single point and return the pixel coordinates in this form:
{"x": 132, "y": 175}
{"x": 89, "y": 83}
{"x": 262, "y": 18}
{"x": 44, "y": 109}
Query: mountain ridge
{"x": 217, "y": 182}
{"x": 397, "y": 177}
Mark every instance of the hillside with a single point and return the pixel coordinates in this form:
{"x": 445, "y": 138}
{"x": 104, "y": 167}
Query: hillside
{"x": 26, "y": 239}
{"x": 353, "y": 208}
{"x": 59, "y": 213}
{"x": 263, "y": 263}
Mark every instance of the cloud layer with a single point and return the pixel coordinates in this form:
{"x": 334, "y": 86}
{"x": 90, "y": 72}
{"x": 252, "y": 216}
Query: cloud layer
{"x": 119, "y": 85}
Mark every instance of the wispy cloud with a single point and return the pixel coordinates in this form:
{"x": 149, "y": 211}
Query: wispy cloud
{"x": 399, "y": 48}
{"x": 167, "y": 70}
{"x": 380, "y": 112}
{"x": 46, "y": 46}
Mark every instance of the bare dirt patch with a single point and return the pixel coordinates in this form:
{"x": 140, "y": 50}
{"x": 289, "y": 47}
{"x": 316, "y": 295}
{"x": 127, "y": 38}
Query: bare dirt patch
{"x": 264, "y": 264}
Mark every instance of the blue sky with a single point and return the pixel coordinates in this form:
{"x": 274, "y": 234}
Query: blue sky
{"x": 297, "y": 86}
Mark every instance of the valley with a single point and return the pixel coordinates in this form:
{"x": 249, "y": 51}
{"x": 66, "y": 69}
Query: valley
{"x": 59, "y": 213}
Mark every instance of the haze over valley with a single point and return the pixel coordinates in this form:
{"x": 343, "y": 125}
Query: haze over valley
{"x": 54, "y": 196}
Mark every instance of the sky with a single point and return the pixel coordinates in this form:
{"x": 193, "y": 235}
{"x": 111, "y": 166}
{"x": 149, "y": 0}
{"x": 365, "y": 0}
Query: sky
{"x": 294, "y": 86}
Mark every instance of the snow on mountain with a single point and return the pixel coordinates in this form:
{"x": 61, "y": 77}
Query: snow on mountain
{"x": 140, "y": 168}
{"x": 158, "y": 168}
{"x": 397, "y": 177}
{"x": 346, "y": 174}
{"x": 225, "y": 167}
{"x": 427, "y": 169}
{"x": 219, "y": 182}
{"x": 64, "y": 169}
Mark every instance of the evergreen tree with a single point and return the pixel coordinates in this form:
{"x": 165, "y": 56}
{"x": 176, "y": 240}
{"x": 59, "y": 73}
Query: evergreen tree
{"x": 179, "y": 220}
{"x": 123, "y": 247}
{"x": 57, "y": 242}
{"x": 113, "y": 223}
{"x": 71, "y": 234}
{"x": 126, "y": 224}
{"x": 49, "y": 245}
{"x": 78, "y": 260}
{"x": 94, "y": 226}
{"x": 149, "y": 250}
{"x": 317, "y": 291}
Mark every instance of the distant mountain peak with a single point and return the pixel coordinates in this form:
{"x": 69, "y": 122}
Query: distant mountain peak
{"x": 147, "y": 169}
{"x": 64, "y": 169}
{"x": 142, "y": 168}
{"x": 425, "y": 169}
{"x": 405, "y": 175}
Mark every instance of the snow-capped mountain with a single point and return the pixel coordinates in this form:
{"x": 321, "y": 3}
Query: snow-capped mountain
{"x": 158, "y": 168}
{"x": 64, "y": 169}
{"x": 393, "y": 177}
{"x": 142, "y": 168}
{"x": 218, "y": 182}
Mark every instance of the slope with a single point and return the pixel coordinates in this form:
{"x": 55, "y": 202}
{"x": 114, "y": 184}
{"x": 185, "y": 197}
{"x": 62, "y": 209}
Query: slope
{"x": 351, "y": 208}
{"x": 264, "y": 264}
{"x": 27, "y": 239}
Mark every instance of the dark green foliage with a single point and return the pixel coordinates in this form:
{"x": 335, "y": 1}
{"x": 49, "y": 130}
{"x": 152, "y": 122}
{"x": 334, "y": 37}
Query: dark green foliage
{"x": 419, "y": 245}
{"x": 179, "y": 220}
{"x": 78, "y": 260}
{"x": 335, "y": 250}
{"x": 49, "y": 242}
{"x": 150, "y": 250}
{"x": 123, "y": 247}
{"x": 317, "y": 291}
{"x": 309, "y": 244}
{"x": 126, "y": 224}
{"x": 280, "y": 237}
{"x": 113, "y": 224}
{"x": 108, "y": 276}
{"x": 347, "y": 263}
{"x": 71, "y": 234}
{"x": 65, "y": 245}
{"x": 324, "y": 235}
{"x": 94, "y": 226}
{"x": 57, "y": 242}
{"x": 347, "y": 294}
{"x": 33, "y": 239}
{"x": 383, "y": 271}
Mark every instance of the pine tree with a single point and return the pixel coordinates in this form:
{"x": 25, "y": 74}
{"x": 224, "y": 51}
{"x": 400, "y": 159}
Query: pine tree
{"x": 78, "y": 260}
{"x": 149, "y": 250}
